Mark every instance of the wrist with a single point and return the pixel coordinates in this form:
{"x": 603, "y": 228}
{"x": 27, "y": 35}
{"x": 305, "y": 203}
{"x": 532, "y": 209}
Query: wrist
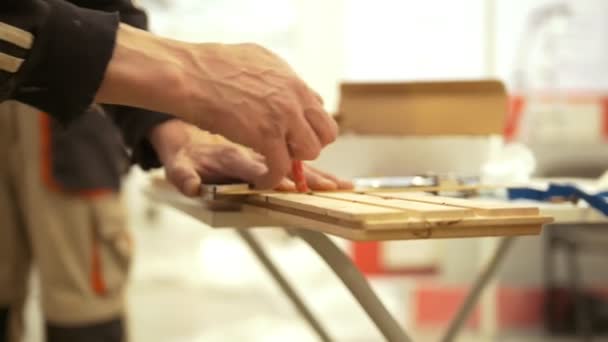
{"x": 169, "y": 137}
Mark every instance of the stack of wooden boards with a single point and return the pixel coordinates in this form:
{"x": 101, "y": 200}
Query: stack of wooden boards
{"x": 389, "y": 215}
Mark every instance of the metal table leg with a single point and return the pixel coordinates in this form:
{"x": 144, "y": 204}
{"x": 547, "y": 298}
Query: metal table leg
{"x": 550, "y": 284}
{"x": 480, "y": 283}
{"x": 344, "y": 268}
{"x": 289, "y": 291}
{"x": 582, "y": 319}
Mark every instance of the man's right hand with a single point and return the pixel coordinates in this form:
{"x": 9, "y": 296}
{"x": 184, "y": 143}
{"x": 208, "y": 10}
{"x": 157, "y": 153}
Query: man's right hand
{"x": 243, "y": 92}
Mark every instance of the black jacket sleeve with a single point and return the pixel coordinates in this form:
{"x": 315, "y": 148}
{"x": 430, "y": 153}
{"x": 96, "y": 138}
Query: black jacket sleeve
{"x": 134, "y": 123}
{"x": 53, "y": 54}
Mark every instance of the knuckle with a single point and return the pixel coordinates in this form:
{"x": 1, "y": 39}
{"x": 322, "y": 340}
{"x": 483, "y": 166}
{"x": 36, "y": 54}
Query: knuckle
{"x": 298, "y": 86}
{"x": 307, "y": 150}
{"x": 178, "y": 171}
{"x": 271, "y": 129}
{"x": 229, "y": 154}
{"x": 217, "y": 139}
{"x": 178, "y": 175}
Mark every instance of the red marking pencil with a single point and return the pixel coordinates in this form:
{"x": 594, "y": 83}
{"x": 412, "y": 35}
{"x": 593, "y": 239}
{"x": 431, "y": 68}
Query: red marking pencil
{"x": 297, "y": 169}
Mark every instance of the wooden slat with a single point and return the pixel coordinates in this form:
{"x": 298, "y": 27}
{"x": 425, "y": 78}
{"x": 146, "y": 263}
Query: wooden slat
{"x": 480, "y": 207}
{"x": 359, "y": 221}
{"x": 384, "y": 224}
{"x": 330, "y": 207}
{"x": 435, "y": 232}
{"x": 479, "y": 222}
{"x": 412, "y": 208}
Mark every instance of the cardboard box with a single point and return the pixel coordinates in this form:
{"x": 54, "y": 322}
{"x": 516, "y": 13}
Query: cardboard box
{"x": 423, "y": 108}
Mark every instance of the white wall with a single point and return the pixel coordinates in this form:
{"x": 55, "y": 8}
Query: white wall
{"x": 408, "y": 39}
{"x": 308, "y": 33}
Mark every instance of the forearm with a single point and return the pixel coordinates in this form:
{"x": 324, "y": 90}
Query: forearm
{"x": 145, "y": 71}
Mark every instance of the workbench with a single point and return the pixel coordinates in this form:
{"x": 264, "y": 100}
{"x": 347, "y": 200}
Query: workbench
{"x": 361, "y": 217}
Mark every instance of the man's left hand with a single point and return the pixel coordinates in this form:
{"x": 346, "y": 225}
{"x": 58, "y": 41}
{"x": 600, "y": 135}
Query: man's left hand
{"x": 192, "y": 157}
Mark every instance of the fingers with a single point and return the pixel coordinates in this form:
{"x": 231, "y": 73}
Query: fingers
{"x": 341, "y": 184}
{"x": 302, "y": 141}
{"x": 286, "y": 185}
{"x": 185, "y": 178}
{"x": 213, "y": 159}
{"x": 310, "y": 128}
{"x": 317, "y": 180}
{"x": 240, "y": 163}
{"x": 344, "y": 184}
{"x": 278, "y": 162}
{"x": 324, "y": 126}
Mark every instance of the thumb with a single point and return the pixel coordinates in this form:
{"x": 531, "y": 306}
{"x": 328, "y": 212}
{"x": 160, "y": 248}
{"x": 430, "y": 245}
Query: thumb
{"x": 186, "y": 179}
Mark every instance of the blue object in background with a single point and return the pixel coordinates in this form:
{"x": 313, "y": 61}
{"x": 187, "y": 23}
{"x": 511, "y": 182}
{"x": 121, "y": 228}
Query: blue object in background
{"x": 597, "y": 201}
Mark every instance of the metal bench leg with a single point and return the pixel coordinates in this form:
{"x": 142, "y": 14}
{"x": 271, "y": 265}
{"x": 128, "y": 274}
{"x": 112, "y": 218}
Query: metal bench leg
{"x": 550, "y": 284}
{"x": 289, "y": 291}
{"x": 480, "y": 283}
{"x": 581, "y": 310}
{"x": 356, "y": 283}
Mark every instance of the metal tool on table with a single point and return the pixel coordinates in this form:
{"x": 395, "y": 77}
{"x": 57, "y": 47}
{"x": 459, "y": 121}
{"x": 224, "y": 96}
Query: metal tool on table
{"x": 455, "y": 185}
{"x": 211, "y": 191}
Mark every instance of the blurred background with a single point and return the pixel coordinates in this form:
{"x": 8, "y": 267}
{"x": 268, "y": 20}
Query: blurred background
{"x": 191, "y": 283}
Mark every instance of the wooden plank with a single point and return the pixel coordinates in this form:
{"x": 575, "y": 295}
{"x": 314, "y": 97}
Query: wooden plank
{"x": 330, "y": 207}
{"x": 478, "y": 221}
{"x": 210, "y": 190}
{"x": 412, "y": 208}
{"x": 375, "y": 223}
{"x": 401, "y": 234}
{"x": 411, "y": 223}
{"x": 483, "y": 208}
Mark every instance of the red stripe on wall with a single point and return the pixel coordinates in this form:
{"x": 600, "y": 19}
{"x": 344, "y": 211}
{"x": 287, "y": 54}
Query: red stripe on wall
{"x": 517, "y": 307}
{"x": 436, "y": 306}
{"x": 366, "y": 256}
{"x": 516, "y": 107}
{"x": 520, "y": 307}
{"x": 604, "y": 102}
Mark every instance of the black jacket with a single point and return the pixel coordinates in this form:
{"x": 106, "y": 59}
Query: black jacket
{"x": 53, "y": 54}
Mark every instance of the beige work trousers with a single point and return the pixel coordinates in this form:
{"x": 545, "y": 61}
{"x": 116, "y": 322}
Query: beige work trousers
{"x": 80, "y": 246}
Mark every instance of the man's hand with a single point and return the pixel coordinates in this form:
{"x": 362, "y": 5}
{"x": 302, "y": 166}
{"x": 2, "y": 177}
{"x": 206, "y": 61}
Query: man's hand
{"x": 316, "y": 180}
{"x": 243, "y": 92}
{"x": 192, "y": 157}
{"x": 260, "y": 102}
